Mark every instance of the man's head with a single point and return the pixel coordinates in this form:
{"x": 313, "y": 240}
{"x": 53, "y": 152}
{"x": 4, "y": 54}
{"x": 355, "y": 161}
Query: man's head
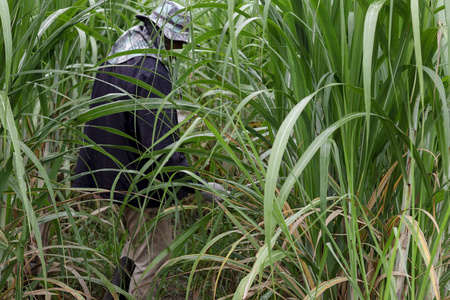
{"x": 173, "y": 20}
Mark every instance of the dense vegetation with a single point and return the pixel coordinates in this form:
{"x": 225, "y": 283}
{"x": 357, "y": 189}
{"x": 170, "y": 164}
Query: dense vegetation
{"x": 328, "y": 122}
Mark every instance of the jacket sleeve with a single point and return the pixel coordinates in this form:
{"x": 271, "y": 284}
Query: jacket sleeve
{"x": 154, "y": 127}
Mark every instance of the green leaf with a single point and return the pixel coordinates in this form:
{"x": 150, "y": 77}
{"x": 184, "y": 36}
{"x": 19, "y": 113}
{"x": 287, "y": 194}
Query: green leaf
{"x": 7, "y": 42}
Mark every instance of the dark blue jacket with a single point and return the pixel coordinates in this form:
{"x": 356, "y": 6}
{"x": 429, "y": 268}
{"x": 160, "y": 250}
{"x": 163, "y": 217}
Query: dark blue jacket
{"x": 127, "y": 136}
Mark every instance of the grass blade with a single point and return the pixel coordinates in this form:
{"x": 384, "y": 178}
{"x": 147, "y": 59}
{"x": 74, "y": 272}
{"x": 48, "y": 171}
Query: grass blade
{"x": 7, "y": 42}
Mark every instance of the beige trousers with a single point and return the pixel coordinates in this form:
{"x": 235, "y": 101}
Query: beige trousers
{"x": 146, "y": 242}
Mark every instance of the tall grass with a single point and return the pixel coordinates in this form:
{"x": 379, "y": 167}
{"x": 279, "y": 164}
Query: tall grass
{"x": 327, "y": 122}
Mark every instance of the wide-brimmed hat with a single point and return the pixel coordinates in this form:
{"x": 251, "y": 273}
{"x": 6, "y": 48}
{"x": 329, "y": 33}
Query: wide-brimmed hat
{"x": 172, "y": 18}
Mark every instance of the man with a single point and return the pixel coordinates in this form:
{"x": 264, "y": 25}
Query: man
{"x": 122, "y": 164}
